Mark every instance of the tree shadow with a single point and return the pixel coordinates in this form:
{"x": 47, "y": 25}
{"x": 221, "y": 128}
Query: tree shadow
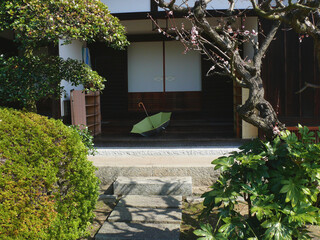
{"x": 134, "y": 220}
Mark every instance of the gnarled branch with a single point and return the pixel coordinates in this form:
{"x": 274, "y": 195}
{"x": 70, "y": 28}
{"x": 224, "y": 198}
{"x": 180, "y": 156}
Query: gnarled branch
{"x": 261, "y": 52}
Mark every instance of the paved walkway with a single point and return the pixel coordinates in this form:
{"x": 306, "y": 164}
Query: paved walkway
{"x": 138, "y": 217}
{"x": 146, "y": 217}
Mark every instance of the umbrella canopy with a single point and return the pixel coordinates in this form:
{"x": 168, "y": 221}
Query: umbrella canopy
{"x": 152, "y": 125}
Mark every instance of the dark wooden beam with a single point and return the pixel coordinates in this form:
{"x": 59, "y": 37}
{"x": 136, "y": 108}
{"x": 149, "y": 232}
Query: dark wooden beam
{"x": 154, "y": 6}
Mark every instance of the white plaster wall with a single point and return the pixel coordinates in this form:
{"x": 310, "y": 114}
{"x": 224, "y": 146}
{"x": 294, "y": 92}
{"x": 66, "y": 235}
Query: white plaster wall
{"x": 138, "y": 26}
{"x": 124, "y": 6}
{"x": 73, "y": 51}
{"x": 248, "y": 130}
{"x": 216, "y": 4}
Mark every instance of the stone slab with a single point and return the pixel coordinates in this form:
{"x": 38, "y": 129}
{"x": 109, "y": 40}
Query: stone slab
{"x": 186, "y": 151}
{"x": 201, "y": 175}
{"x": 108, "y": 198}
{"x": 145, "y": 215}
{"x": 153, "y": 186}
{"x": 150, "y": 201}
{"x": 136, "y": 231}
{"x": 152, "y": 161}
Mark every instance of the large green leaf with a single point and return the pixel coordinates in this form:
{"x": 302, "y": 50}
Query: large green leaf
{"x": 276, "y": 231}
{"x": 223, "y": 163}
{"x": 293, "y": 190}
{"x": 205, "y": 232}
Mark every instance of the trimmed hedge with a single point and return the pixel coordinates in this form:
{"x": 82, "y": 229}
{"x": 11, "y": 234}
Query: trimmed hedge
{"x": 48, "y": 188}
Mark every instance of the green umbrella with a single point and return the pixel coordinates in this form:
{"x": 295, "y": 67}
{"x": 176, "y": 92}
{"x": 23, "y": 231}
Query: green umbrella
{"x": 152, "y": 125}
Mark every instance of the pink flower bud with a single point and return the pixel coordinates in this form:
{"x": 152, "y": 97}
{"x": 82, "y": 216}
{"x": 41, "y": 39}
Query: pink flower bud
{"x": 254, "y": 33}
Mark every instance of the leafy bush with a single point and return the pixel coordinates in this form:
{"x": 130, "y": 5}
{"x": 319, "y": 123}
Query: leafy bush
{"x": 48, "y": 187}
{"x": 38, "y": 21}
{"x": 42, "y": 75}
{"x": 279, "y": 183}
{"x": 86, "y": 137}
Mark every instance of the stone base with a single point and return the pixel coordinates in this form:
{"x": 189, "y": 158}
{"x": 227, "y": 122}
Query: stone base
{"x": 153, "y": 186}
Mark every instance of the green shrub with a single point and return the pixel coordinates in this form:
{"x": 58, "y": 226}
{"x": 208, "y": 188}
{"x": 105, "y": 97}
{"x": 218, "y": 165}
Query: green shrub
{"x": 278, "y": 180}
{"x": 86, "y": 137}
{"x": 42, "y": 75}
{"x": 47, "y": 185}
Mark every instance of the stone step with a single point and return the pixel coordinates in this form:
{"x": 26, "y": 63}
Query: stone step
{"x": 169, "y": 151}
{"x": 145, "y": 215}
{"x": 151, "y": 201}
{"x": 137, "y": 231}
{"x": 109, "y": 168}
{"x": 153, "y": 186}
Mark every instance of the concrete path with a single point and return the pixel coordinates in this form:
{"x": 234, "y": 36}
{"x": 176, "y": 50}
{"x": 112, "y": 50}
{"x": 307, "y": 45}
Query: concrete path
{"x": 144, "y": 218}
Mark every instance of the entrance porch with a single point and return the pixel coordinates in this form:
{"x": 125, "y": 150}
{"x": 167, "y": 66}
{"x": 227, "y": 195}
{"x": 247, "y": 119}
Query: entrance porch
{"x": 185, "y": 129}
{"x": 202, "y": 107}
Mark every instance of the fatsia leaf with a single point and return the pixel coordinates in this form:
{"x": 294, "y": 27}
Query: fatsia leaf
{"x": 277, "y": 231}
{"x": 223, "y": 163}
{"x": 262, "y": 211}
{"x": 292, "y": 190}
{"x": 206, "y": 232}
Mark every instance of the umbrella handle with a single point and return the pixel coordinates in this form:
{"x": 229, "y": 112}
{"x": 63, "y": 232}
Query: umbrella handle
{"x": 140, "y": 104}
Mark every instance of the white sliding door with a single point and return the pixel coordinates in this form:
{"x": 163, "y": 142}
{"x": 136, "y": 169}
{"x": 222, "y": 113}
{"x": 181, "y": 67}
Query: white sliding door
{"x": 183, "y": 71}
{"x": 145, "y": 72}
{"x": 145, "y": 68}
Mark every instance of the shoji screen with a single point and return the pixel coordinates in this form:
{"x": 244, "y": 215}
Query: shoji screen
{"x": 145, "y": 67}
{"x": 183, "y": 71}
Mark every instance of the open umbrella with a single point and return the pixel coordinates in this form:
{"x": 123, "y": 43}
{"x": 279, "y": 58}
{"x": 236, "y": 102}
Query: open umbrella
{"x": 151, "y": 125}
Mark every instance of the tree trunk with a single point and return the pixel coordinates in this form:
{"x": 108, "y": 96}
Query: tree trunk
{"x": 258, "y": 111}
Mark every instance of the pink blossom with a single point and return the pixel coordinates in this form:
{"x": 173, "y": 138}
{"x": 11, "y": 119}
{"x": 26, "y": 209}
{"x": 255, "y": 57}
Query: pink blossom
{"x": 230, "y": 30}
{"x": 254, "y": 33}
{"x": 194, "y": 35}
{"x": 276, "y": 130}
{"x": 194, "y": 31}
{"x": 212, "y": 68}
{"x": 246, "y": 32}
{"x": 170, "y": 13}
